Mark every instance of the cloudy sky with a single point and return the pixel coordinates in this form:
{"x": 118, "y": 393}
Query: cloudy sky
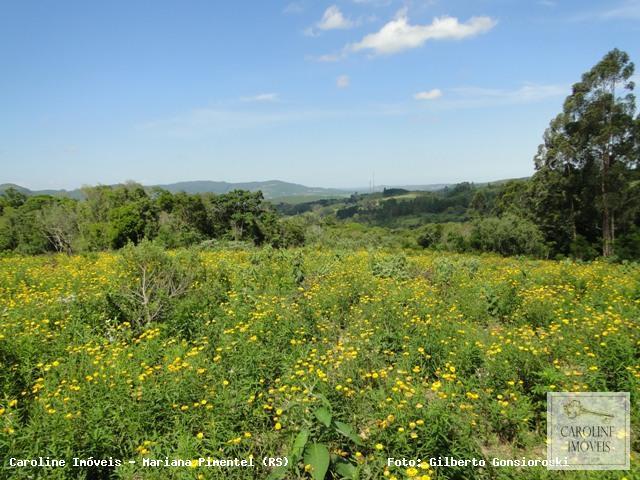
{"x": 314, "y": 92}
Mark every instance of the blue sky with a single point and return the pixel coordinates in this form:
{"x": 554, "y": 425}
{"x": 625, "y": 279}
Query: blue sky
{"x": 314, "y": 92}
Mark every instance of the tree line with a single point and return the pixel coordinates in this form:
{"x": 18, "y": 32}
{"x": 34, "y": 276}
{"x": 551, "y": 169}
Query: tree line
{"x": 109, "y": 217}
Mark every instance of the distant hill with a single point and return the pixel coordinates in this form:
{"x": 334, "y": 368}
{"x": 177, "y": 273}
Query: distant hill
{"x": 284, "y": 192}
{"x": 434, "y": 187}
{"x": 6, "y": 186}
{"x": 272, "y": 189}
{"x": 63, "y": 193}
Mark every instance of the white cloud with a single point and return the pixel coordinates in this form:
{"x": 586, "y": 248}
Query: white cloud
{"x": 487, "y": 97}
{"x": 262, "y": 97}
{"x": 343, "y": 81}
{"x": 310, "y": 32}
{"x": 204, "y": 122}
{"x": 399, "y": 35}
{"x": 329, "y": 57}
{"x": 333, "y": 19}
{"x": 461, "y": 98}
{"x": 628, "y": 10}
{"x": 428, "y": 94}
{"x": 293, "y": 8}
{"x": 377, "y": 3}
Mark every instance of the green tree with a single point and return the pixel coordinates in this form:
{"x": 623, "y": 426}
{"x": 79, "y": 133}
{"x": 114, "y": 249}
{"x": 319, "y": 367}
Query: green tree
{"x": 132, "y": 222}
{"x": 479, "y": 203}
{"x": 14, "y": 197}
{"x": 508, "y": 235}
{"x": 59, "y": 224}
{"x": 430, "y": 235}
{"x": 513, "y": 197}
{"x": 20, "y": 227}
{"x": 593, "y": 145}
{"x": 241, "y": 215}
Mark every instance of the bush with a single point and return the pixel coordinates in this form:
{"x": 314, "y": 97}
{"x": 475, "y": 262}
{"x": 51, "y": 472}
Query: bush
{"x": 430, "y": 236}
{"x": 456, "y": 242}
{"x": 628, "y": 245}
{"x": 508, "y": 235}
{"x": 152, "y": 280}
{"x": 581, "y": 248}
{"x": 173, "y": 234}
{"x": 290, "y": 233}
{"x": 390, "y": 266}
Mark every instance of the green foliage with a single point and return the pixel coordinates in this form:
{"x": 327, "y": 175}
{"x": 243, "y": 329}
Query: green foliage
{"x": 348, "y": 431}
{"x": 628, "y": 245}
{"x": 13, "y": 197}
{"x": 152, "y": 280}
{"x": 502, "y": 301}
{"x": 132, "y": 222}
{"x": 317, "y": 456}
{"x": 110, "y": 217}
{"x": 508, "y": 235}
{"x": 94, "y": 236}
{"x": 430, "y": 236}
{"x": 323, "y": 415}
{"x": 59, "y": 223}
{"x": 513, "y": 197}
{"x": 20, "y": 229}
{"x": 588, "y": 162}
{"x": 581, "y": 248}
{"x": 395, "y": 266}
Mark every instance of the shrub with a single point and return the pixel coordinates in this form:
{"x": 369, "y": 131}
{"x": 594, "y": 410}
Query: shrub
{"x": 152, "y": 279}
{"x": 290, "y": 233}
{"x": 430, "y": 235}
{"x": 581, "y": 248}
{"x": 628, "y": 245}
{"x": 508, "y": 235}
{"x": 390, "y": 266}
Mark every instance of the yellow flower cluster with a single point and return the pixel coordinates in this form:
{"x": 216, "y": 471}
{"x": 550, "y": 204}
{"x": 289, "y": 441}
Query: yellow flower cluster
{"x": 455, "y": 344}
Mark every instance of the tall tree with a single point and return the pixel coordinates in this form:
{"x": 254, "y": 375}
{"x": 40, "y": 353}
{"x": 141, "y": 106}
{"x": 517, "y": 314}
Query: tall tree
{"x": 595, "y": 135}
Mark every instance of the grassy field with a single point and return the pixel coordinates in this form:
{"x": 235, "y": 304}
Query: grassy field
{"x": 366, "y": 355}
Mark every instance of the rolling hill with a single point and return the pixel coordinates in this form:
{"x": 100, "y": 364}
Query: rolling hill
{"x": 272, "y": 189}
{"x": 285, "y": 192}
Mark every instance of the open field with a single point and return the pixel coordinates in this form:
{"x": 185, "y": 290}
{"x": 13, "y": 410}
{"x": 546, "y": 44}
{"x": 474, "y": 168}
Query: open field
{"x": 370, "y": 354}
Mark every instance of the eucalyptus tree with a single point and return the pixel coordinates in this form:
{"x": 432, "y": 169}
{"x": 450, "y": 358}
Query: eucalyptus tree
{"x": 591, "y": 146}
